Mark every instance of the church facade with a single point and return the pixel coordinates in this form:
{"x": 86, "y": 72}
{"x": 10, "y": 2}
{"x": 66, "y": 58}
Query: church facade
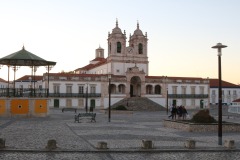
{"x": 126, "y": 69}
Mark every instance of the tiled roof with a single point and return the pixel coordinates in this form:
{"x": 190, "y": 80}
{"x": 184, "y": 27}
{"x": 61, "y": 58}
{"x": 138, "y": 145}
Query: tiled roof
{"x": 175, "y": 78}
{"x": 2, "y": 80}
{"x": 27, "y": 78}
{"x": 237, "y": 100}
{"x": 91, "y": 66}
{"x": 215, "y": 83}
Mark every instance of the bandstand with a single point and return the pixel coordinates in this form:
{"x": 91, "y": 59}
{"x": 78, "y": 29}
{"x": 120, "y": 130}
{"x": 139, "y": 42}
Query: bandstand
{"x": 13, "y": 101}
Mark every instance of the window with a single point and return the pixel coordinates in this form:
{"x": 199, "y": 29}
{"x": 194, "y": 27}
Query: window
{"x": 40, "y": 86}
{"x": 80, "y": 103}
{"x": 192, "y": 90}
{"x": 213, "y": 92}
{"x": 69, "y": 89}
{"x": 234, "y": 92}
{"x": 157, "y": 89}
{"x": 56, "y": 89}
{"x": 119, "y": 47}
{"x": 110, "y": 47}
{"x": 92, "y": 89}
{"x": 201, "y": 90}
{"x": 69, "y": 102}
{"x": 184, "y": 91}
{"x": 140, "y": 48}
{"x": 193, "y": 102}
{"x": 80, "y": 89}
{"x": 174, "y": 88}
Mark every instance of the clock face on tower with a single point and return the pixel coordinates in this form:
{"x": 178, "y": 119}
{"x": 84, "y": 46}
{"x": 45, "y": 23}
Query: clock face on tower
{"x": 130, "y": 50}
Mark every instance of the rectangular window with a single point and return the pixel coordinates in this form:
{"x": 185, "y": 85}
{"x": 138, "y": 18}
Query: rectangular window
{"x": 40, "y": 86}
{"x": 222, "y": 92}
{"x": 201, "y": 90}
{"x": 80, "y": 89}
{"x": 184, "y": 102}
{"x": 184, "y": 91}
{"x": 229, "y": 92}
{"x": 56, "y": 89}
{"x": 234, "y": 92}
{"x": 69, "y": 102}
{"x": 174, "y": 88}
{"x": 92, "y": 89}
{"x": 69, "y": 89}
{"x": 193, "y": 102}
{"x": 213, "y": 92}
{"x": 192, "y": 90}
{"x": 80, "y": 103}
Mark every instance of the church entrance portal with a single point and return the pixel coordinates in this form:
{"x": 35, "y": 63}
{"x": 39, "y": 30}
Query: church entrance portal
{"x": 135, "y": 87}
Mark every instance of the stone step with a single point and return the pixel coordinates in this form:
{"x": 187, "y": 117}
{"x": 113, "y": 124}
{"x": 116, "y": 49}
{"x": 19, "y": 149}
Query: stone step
{"x": 139, "y": 104}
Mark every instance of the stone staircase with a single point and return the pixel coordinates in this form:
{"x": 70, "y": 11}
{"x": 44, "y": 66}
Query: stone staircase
{"x": 139, "y": 104}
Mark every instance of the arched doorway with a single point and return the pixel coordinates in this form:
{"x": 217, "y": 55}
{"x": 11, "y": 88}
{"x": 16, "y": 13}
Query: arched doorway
{"x": 135, "y": 87}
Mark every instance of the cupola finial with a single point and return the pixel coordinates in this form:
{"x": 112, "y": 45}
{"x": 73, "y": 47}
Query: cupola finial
{"x": 116, "y": 22}
{"x": 137, "y": 24}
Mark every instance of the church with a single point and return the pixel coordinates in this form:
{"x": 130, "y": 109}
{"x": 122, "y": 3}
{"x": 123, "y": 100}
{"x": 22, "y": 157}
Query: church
{"x": 126, "y": 71}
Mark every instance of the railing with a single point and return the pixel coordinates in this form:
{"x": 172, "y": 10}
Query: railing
{"x": 28, "y": 92}
{"x": 187, "y": 95}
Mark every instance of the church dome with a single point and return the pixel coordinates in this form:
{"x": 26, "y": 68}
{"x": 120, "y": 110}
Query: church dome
{"x": 116, "y": 30}
{"x": 137, "y": 32}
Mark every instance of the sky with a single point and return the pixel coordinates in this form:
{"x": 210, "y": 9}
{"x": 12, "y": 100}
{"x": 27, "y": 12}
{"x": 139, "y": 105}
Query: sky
{"x": 180, "y": 32}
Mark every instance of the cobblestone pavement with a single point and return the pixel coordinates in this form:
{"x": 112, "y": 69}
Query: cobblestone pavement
{"x": 26, "y": 138}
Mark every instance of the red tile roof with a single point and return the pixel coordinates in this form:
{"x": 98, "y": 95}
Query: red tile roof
{"x": 2, "y": 80}
{"x": 91, "y": 66}
{"x": 175, "y": 78}
{"x": 215, "y": 83}
{"x": 27, "y": 78}
{"x": 237, "y": 100}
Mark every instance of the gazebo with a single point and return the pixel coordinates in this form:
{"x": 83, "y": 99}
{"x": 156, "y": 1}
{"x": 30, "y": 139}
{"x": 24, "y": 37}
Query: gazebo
{"x": 14, "y": 101}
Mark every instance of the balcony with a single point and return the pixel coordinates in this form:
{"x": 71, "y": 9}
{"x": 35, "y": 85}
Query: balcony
{"x": 187, "y": 95}
{"x": 30, "y": 92}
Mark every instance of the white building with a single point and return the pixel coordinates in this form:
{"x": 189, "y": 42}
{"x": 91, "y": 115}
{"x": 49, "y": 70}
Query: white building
{"x": 230, "y": 92}
{"x": 128, "y": 66}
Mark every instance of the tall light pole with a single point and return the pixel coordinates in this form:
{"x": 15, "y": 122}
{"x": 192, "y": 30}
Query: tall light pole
{"x": 219, "y": 46}
{"x": 86, "y": 102}
{"x": 109, "y": 98}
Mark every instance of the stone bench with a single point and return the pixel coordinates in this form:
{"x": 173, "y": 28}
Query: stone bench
{"x": 69, "y": 109}
{"x": 78, "y": 117}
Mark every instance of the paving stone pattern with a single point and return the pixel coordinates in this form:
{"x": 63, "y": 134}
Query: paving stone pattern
{"x": 26, "y": 138}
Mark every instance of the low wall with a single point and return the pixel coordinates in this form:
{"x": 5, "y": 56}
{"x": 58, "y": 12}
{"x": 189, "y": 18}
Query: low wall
{"x": 192, "y": 127}
{"x": 23, "y": 107}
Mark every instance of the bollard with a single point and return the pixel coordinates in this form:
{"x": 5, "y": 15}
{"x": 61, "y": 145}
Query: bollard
{"x": 102, "y": 145}
{"x": 190, "y": 144}
{"x": 229, "y": 144}
{"x": 2, "y": 143}
{"x": 51, "y": 144}
{"x": 147, "y": 144}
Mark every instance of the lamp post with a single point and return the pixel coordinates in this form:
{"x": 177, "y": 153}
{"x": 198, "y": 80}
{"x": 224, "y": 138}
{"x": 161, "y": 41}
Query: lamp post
{"x": 86, "y": 102}
{"x": 219, "y": 46}
{"x": 109, "y": 98}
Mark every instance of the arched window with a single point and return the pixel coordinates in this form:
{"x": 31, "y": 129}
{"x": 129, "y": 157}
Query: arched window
{"x": 110, "y": 48}
{"x": 157, "y": 89}
{"x": 140, "y": 48}
{"x": 119, "y": 47}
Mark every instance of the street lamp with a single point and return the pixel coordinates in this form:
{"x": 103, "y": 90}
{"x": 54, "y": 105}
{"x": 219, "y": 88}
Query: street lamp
{"x": 109, "y": 98}
{"x": 219, "y": 46}
{"x": 86, "y": 102}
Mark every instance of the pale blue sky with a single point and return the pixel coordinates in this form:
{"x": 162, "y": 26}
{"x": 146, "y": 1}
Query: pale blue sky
{"x": 181, "y": 33}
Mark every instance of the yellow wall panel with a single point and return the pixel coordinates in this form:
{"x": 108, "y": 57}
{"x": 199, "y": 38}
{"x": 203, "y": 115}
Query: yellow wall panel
{"x": 40, "y": 106}
{"x": 2, "y": 106}
{"x": 19, "y": 106}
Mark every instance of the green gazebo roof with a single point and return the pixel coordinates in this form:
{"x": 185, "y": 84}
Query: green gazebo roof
{"x": 24, "y": 58}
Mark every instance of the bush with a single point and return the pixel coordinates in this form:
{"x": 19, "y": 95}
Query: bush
{"x": 203, "y": 116}
{"x": 121, "y": 107}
